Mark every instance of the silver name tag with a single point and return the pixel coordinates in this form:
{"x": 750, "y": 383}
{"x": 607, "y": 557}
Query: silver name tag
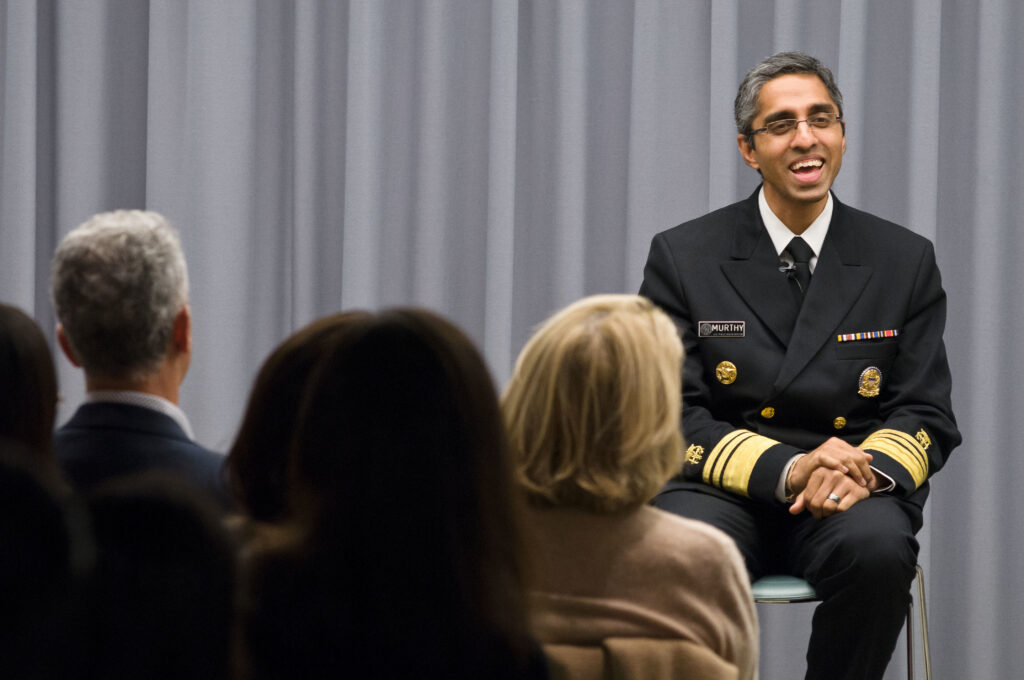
{"x": 721, "y": 329}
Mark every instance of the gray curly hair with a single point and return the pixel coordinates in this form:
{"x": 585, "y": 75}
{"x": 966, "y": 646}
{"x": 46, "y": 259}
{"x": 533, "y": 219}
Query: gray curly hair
{"x": 118, "y": 281}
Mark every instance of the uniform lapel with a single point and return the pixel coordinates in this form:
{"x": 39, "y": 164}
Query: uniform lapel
{"x": 839, "y": 277}
{"x": 754, "y": 272}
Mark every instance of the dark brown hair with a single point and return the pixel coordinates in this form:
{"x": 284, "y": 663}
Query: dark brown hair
{"x": 400, "y": 471}
{"x": 256, "y": 465}
{"x": 28, "y": 399}
{"x": 164, "y": 582}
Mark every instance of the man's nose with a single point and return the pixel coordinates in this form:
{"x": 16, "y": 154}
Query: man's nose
{"x": 803, "y": 135}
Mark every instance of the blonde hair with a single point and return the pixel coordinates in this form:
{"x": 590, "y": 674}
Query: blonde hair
{"x": 593, "y": 405}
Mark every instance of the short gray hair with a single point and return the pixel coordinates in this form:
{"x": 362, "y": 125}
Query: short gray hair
{"x": 781, "y": 64}
{"x": 118, "y": 281}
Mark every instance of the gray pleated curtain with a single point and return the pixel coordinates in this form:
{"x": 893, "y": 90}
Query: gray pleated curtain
{"x": 495, "y": 160}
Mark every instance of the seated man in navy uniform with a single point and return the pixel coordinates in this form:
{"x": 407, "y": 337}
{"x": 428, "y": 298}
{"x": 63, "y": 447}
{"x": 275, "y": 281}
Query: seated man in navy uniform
{"x": 120, "y": 289}
{"x": 816, "y": 394}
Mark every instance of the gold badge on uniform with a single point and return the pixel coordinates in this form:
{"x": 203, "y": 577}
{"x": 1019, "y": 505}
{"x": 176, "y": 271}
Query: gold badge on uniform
{"x": 839, "y": 423}
{"x": 870, "y": 382}
{"x": 694, "y": 454}
{"x": 923, "y": 439}
{"x": 768, "y": 412}
{"x": 726, "y": 372}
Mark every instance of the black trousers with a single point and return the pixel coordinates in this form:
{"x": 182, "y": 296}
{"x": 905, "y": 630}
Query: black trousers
{"x": 861, "y": 563}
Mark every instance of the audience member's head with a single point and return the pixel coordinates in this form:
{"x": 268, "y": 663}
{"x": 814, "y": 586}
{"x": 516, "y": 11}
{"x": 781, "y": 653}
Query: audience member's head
{"x": 405, "y": 405}
{"x": 164, "y": 587}
{"x": 45, "y": 561}
{"x": 400, "y": 467}
{"x": 256, "y": 466}
{"x": 120, "y": 290}
{"x": 593, "y": 406}
{"x": 28, "y": 396}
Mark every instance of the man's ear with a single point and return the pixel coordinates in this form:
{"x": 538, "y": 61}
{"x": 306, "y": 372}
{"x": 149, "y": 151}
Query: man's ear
{"x": 748, "y": 152}
{"x": 65, "y": 346}
{"x": 181, "y": 336}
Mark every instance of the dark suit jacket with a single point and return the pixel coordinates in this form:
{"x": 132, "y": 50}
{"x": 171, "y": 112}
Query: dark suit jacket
{"x": 103, "y": 441}
{"x": 795, "y": 386}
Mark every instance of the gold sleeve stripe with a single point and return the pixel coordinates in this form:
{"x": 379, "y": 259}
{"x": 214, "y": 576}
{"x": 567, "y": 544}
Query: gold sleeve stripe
{"x": 732, "y": 460}
{"x": 720, "y": 455}
{"x": 908, "y": 443}
{"x": 903, "y": 449}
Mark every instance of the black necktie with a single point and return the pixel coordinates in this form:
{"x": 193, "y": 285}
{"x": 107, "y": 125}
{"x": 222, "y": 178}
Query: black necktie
{"x": 800, "y": 275}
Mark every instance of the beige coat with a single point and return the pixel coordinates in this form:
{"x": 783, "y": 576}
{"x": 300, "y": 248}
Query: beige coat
{"x": 640, "y": 574}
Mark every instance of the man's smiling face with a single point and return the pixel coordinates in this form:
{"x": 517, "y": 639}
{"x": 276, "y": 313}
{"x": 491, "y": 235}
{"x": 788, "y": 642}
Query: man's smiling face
{"x": 798, "y": 167}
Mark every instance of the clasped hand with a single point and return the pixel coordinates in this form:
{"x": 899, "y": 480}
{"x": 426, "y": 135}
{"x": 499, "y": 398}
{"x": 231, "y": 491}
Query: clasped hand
{"x": 834, "y": 469}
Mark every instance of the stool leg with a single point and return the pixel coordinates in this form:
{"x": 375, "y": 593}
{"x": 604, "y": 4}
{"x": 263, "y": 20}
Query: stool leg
{"x": 924, "y": 623}
{"x": 910, "y": 640}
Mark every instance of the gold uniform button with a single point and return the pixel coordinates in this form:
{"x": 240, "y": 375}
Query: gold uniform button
{"x": 839, "y": 423}
{"x": 767, "y": 412}
{"x": 726, "y": 372}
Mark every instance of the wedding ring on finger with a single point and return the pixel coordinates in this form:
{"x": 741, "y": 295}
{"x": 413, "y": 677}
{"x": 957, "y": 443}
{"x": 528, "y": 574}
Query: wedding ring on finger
{"x": 833, "y": 497}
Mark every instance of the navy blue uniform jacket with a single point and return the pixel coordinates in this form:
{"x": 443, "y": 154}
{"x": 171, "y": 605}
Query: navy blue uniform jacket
{"x": 794, "y": 386}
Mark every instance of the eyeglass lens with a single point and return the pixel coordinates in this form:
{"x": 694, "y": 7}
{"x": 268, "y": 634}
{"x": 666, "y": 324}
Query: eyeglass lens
{"x": 818, "y": 120}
